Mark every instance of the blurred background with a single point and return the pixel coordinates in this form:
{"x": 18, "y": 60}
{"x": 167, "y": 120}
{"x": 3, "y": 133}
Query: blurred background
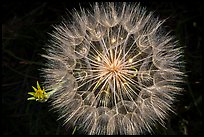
{"x": 25, "y": 28}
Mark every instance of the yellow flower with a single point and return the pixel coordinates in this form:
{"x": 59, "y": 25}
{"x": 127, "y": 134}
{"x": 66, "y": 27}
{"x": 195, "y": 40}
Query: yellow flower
{"x": 39, "y": 94}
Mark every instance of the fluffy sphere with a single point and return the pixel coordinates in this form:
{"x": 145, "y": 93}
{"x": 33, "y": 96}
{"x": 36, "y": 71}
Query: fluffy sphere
{"x": 113, "y": 70}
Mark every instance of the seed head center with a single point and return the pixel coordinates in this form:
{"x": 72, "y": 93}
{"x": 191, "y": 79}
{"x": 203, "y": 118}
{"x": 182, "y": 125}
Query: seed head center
{"x": 114, "y": 67}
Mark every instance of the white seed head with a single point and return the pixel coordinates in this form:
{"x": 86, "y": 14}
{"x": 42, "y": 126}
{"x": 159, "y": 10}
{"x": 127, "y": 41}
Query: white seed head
{"x": 114, "y": 70}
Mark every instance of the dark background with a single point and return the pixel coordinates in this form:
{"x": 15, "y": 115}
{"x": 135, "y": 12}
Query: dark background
{"x": 25, "y": 27}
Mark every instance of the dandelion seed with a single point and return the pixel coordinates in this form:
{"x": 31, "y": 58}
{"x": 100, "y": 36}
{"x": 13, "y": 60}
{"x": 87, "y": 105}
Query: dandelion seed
{"x": 113, "y": 71}
{"x": 113, "y": 40}
{"x": 130, "y": 60}
{"x": 98, "y": 59}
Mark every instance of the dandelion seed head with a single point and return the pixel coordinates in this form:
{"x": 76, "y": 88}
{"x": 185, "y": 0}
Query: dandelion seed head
{"x": 114, "y": 70}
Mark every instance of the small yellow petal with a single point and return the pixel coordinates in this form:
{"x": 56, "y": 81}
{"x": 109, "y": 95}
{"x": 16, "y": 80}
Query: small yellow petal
{"x": 38, "y": 86}
{"x": 46, "y": 95}
{"x": 31, "y": 98}
{"x": 31, "y": 93}
{"x": 34, "y": 88}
